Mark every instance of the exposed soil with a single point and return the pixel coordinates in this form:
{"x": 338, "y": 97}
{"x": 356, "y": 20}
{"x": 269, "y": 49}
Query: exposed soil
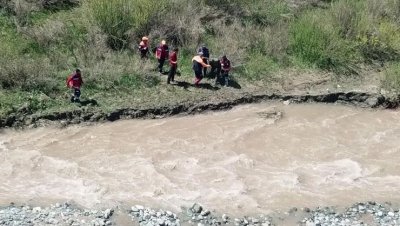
{"x": 292, "y": 86}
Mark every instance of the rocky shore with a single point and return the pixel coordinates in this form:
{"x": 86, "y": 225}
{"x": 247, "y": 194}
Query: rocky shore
{"x": 22, "y": 118}
{"x": 368, "y": 213}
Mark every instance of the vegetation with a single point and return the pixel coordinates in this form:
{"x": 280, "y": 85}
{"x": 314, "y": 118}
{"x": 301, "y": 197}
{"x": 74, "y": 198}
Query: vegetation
{"x": 41, "y": 42}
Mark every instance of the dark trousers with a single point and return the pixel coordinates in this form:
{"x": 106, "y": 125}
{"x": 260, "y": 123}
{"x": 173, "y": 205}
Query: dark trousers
{"x": 161, "y": 64}
{"x": 171, "y": 74}
{"x": 76, "y": 95}
{"x": 222, "y": 78}
{"x": 144, "y": 54}
{"x": 205, "y": 60}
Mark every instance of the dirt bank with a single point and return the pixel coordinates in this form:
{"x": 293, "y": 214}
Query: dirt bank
{"x": 23, "y": 119}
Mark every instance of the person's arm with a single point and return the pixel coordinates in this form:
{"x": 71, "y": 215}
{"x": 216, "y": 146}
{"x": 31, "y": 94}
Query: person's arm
{"x": 204, "y": 64}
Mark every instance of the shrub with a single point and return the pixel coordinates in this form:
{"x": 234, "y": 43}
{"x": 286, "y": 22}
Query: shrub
{"x": 259, "y": 67}
{"x": 391, "y": 80}
{"x": 28, "y": 75}
{"x": 119, "y": 18}
{"x": 315, "y": 41}
{"x": 267, "y": 12}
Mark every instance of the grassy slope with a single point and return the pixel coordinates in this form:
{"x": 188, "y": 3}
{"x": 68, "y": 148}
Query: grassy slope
{"x": 275, "y": 46}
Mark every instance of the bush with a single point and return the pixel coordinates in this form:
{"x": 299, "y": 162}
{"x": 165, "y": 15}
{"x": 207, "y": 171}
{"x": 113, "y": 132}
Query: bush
{"x": 28, "y": 75}
{"x": 120, "y": 18}
{"x": 259, "y": 67}
{"x": 267, "y": 12}
{"x": 315, "y": 41}
{"x": 391, "y": 80}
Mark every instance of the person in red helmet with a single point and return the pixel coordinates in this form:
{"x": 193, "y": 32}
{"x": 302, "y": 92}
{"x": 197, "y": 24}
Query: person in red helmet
{"x": 173, "y": 61}
{"x": 162, "y": 53}
{"x": 144, "y": 48}
{"x": 74, "y": 81}
{"x": 198, "y": 65}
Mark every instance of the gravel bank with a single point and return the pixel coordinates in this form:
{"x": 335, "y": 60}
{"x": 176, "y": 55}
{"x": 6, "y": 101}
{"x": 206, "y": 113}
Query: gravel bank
{"x": 368, "y": 213}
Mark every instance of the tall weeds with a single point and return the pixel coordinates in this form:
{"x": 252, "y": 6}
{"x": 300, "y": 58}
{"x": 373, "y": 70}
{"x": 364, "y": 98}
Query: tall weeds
{"x": 121, "y": 18}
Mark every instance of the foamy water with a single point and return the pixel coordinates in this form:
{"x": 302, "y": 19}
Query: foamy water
{"x": 235, "y": 162}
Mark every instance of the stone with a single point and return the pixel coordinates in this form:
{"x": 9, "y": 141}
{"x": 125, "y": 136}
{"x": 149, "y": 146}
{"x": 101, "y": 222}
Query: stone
{"x": 196, "y": 208}
{"x": 169, "y": 214}
{"x": 160, "y": 222}
{"x": 139, "y": 207}
{"x": 108, "y": 213}
{"x": 373, "y": 101}
{"x": 391, "y": 214}
{"x": 306, "y": 209}
{"x": 36, "y": 210}
{"x": 205, "y": 213}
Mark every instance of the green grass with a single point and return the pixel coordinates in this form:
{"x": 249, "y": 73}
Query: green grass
{"x": 391, "y": 79}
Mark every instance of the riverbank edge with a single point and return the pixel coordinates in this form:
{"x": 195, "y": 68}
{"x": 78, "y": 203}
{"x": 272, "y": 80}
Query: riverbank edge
{"x": 23, "y": 120}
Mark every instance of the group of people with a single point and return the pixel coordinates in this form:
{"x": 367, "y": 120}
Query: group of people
{"x": 201, "y": 62}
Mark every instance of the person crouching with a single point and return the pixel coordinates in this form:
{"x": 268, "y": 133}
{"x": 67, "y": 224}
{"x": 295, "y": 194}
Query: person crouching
{"x": 198, "y": 66}
{"x": 74, "y": 81}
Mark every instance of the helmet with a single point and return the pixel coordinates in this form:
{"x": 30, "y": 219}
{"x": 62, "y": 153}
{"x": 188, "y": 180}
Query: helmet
{"x": 145, "y": 38}
{"x": 163, "y": 42}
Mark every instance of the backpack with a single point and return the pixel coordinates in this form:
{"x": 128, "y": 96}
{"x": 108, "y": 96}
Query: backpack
{"x": 206, "y": 52}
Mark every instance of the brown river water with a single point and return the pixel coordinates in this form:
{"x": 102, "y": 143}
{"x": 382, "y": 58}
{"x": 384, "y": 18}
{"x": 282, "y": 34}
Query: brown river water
{"x": 238, "y": 161}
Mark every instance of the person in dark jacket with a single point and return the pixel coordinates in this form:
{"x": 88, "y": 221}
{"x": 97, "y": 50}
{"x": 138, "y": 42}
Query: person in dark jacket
{"x": 198, "y": 66}
{"x": 206, "y": 56}
{"x": 74, "y": 81}
{"x": 173, "y": 62}
{"x": 162, "y": 53}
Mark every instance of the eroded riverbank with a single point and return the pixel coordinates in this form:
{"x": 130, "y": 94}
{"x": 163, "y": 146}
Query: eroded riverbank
{"x": 22, "y": 118}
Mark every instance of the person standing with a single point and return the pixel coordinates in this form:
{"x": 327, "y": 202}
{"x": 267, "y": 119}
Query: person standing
{"x": 225, "y": 69}
{"x": 173, "y": 62}
{"x": 144, "y": 48}
{"x": 198, "y": 66}
{"x": 74, "y": 81}
{"x": 162, "y": 53}
{"x": 206, "y": 56}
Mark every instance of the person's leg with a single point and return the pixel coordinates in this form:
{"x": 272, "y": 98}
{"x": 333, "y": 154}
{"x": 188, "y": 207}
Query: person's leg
{"x": 205, "y": 60}
{"x": 173, "y": 69}
{"x": 77, "y": 94}
{"x": 198, "y": 77}
{"x": 160, "y": 64}
{"x": 226, "y": 77}
{"x": 217, "y": 77}
{"x": 73, "y": 95}
{"x": 171, "y": 74}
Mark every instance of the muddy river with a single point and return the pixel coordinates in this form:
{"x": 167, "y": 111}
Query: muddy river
{"x": 252, "y": 159}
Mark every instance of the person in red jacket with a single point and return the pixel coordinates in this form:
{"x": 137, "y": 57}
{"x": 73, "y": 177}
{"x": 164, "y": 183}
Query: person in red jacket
{"x": 74, "y": 81}
{"x": 162, "y": 53}
{"x": 144, "y": 48}
{"x": 225, "y": 69}
{"x": 173, "y": 62}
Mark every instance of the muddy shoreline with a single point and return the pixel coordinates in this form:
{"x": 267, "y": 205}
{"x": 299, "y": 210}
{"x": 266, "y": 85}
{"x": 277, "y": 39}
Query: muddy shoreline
{"x": 23, "y": 119}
